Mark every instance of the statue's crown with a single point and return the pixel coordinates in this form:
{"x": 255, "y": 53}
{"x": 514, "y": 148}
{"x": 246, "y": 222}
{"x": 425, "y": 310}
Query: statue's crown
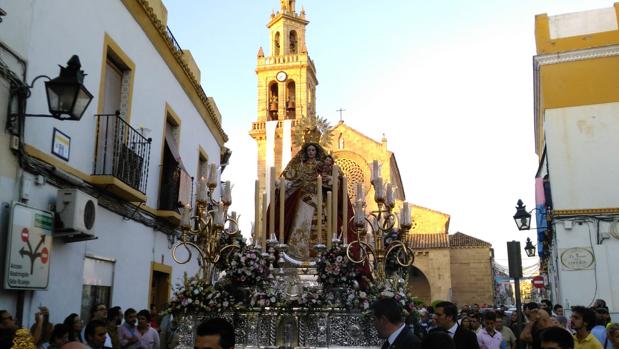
{"x": 312, "y": 135}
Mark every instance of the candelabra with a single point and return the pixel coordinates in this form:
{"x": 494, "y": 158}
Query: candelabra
{"x": 209, "y": 232}
{"x": 381, "y": 224}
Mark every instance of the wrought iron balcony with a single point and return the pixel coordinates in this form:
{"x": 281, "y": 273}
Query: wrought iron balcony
{"x": 122, "y": 154}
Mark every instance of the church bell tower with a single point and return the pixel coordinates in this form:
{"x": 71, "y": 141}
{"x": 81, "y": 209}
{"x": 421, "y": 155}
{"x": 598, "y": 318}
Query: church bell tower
{"x": 286, "y": 88}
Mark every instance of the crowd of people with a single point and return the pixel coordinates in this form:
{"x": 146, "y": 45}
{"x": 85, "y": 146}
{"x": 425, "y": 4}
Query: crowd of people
{"x": 542, "y": 325}
{"x": 105, "y": 328}
{"x": 443, "y": 326}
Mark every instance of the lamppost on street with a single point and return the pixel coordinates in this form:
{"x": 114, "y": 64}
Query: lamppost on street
{"x": 522, "y": 217}
{"x": 529, "y": 248}
{"x": 515, "y": 271}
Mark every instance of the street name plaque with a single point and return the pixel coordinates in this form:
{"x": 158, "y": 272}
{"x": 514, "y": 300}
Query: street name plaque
{"x": 576, "y": 258}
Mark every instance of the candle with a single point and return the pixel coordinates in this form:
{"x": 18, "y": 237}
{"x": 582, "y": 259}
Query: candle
{"x": 233, "y": 221}
{"x": 272, "y": 202}
{"x": 212, "y": 176}
{"x": 345, "y": 209}
{"x": 256, "y": 211}
{"x": 227, "y": 195}
{"x": 379, "y": 194}
{"x": 389, "y": 191}
{"x": 319, "y": 208}
{"x": 264, "y": 219}
{"x": 405, "y": 214}
{"x": 186, "y": 216}
{"x": 202, "y": 188}
{"x": 359, "y": 194}
{"x": 359, "y": 214}
{"x": 329, "y": 217}
{"x": 375, "y": 170}
{"x": 335, "y": 175}
{"x": 282, "y": 198}
{"x": 219, "y": 215}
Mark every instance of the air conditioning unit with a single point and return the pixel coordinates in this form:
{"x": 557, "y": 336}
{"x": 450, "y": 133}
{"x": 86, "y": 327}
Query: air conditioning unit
{"x": 77, "y": 212}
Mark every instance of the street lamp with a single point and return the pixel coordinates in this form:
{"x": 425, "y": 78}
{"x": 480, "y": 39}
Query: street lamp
{"x": 67, "y": 97}
{"x": 66, "y": 94}
{"x": 522, "y": 217}
{"x": 529, "y": 248}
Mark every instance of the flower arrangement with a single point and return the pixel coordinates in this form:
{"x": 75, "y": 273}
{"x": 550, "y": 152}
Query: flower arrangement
{"x": 356, "y": 299}
{"x": 226, "y": 240}
{"x": 398, "y": 291}
{"x": 248, "y": 283}
{"x": 195, "y": 295}
{"x": 248, "y": 268}
{"x": 334, "y": 268}
{"x": 267, "y": 297}
{"x": 391, "y": 263}
{"x": 311, "y": 298}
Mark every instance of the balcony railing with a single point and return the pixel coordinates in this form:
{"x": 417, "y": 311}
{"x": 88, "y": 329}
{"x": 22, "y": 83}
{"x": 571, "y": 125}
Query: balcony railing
{"x": 121, "y": 151}
{"x": 261, "y": 125}
{"x": 177, "y": 46}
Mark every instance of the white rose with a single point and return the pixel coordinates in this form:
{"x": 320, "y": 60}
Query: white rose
{"x": 388, "y": 294}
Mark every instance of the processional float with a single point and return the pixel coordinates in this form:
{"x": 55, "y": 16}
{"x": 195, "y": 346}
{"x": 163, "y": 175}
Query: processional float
{"x": 273, "y": 297}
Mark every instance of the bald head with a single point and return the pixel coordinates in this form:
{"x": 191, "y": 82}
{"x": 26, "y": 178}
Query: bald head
{"x": 544, "y": 321}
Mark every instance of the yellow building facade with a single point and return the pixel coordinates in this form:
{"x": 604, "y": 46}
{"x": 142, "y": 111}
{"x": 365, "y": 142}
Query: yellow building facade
{"x": 574, "y": 68}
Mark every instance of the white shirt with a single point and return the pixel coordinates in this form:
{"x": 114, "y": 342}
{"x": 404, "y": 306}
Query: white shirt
{"x": 395, "y": 334}
{"x": 452, "y": 330}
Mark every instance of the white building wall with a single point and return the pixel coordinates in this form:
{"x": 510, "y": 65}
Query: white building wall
{"x": 582, "y": 23}
{"x": 583, "y": 158}
{"x": 39, "y": 32}
{"x": 154, "y": 83}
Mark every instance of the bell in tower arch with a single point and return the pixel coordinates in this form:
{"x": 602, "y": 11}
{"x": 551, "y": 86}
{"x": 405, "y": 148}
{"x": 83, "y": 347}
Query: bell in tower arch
{"x": 293, "y": 42}
{"x": 276, "y": 44}
{"x": 290, "y": 97}
{"x": 273, "y": 103}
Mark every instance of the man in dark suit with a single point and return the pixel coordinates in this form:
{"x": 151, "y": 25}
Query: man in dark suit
{"x": 389, "y": 324}
{"x": 446, "y": 316}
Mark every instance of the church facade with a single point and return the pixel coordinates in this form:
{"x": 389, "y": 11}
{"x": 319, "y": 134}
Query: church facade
{"x": 286, "y": 94}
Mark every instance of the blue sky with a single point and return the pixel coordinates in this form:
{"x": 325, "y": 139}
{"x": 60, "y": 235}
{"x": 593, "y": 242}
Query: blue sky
{"x": 448, "y": 82}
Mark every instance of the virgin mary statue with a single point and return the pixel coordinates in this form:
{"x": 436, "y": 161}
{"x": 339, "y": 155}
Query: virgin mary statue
{"x": 301, "y": 206}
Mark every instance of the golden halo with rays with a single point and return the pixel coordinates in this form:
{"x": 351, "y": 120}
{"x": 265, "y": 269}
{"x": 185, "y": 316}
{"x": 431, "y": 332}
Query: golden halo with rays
{"x": 312, "y": 125}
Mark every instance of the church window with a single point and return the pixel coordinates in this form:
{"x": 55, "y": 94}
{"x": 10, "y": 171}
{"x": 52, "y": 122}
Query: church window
{"x": 293, "y": 42}
{"x": 340, "y": 141}
{"x": 276, "y": 44}
{"x": 273, "y": 102}
{"x": 290, "y": 100}
{"x": 355, "y": 175}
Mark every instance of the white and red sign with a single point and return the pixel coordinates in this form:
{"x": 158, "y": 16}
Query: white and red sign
{"x": 538, "y": 281}
{"x": 29, "y": 248}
